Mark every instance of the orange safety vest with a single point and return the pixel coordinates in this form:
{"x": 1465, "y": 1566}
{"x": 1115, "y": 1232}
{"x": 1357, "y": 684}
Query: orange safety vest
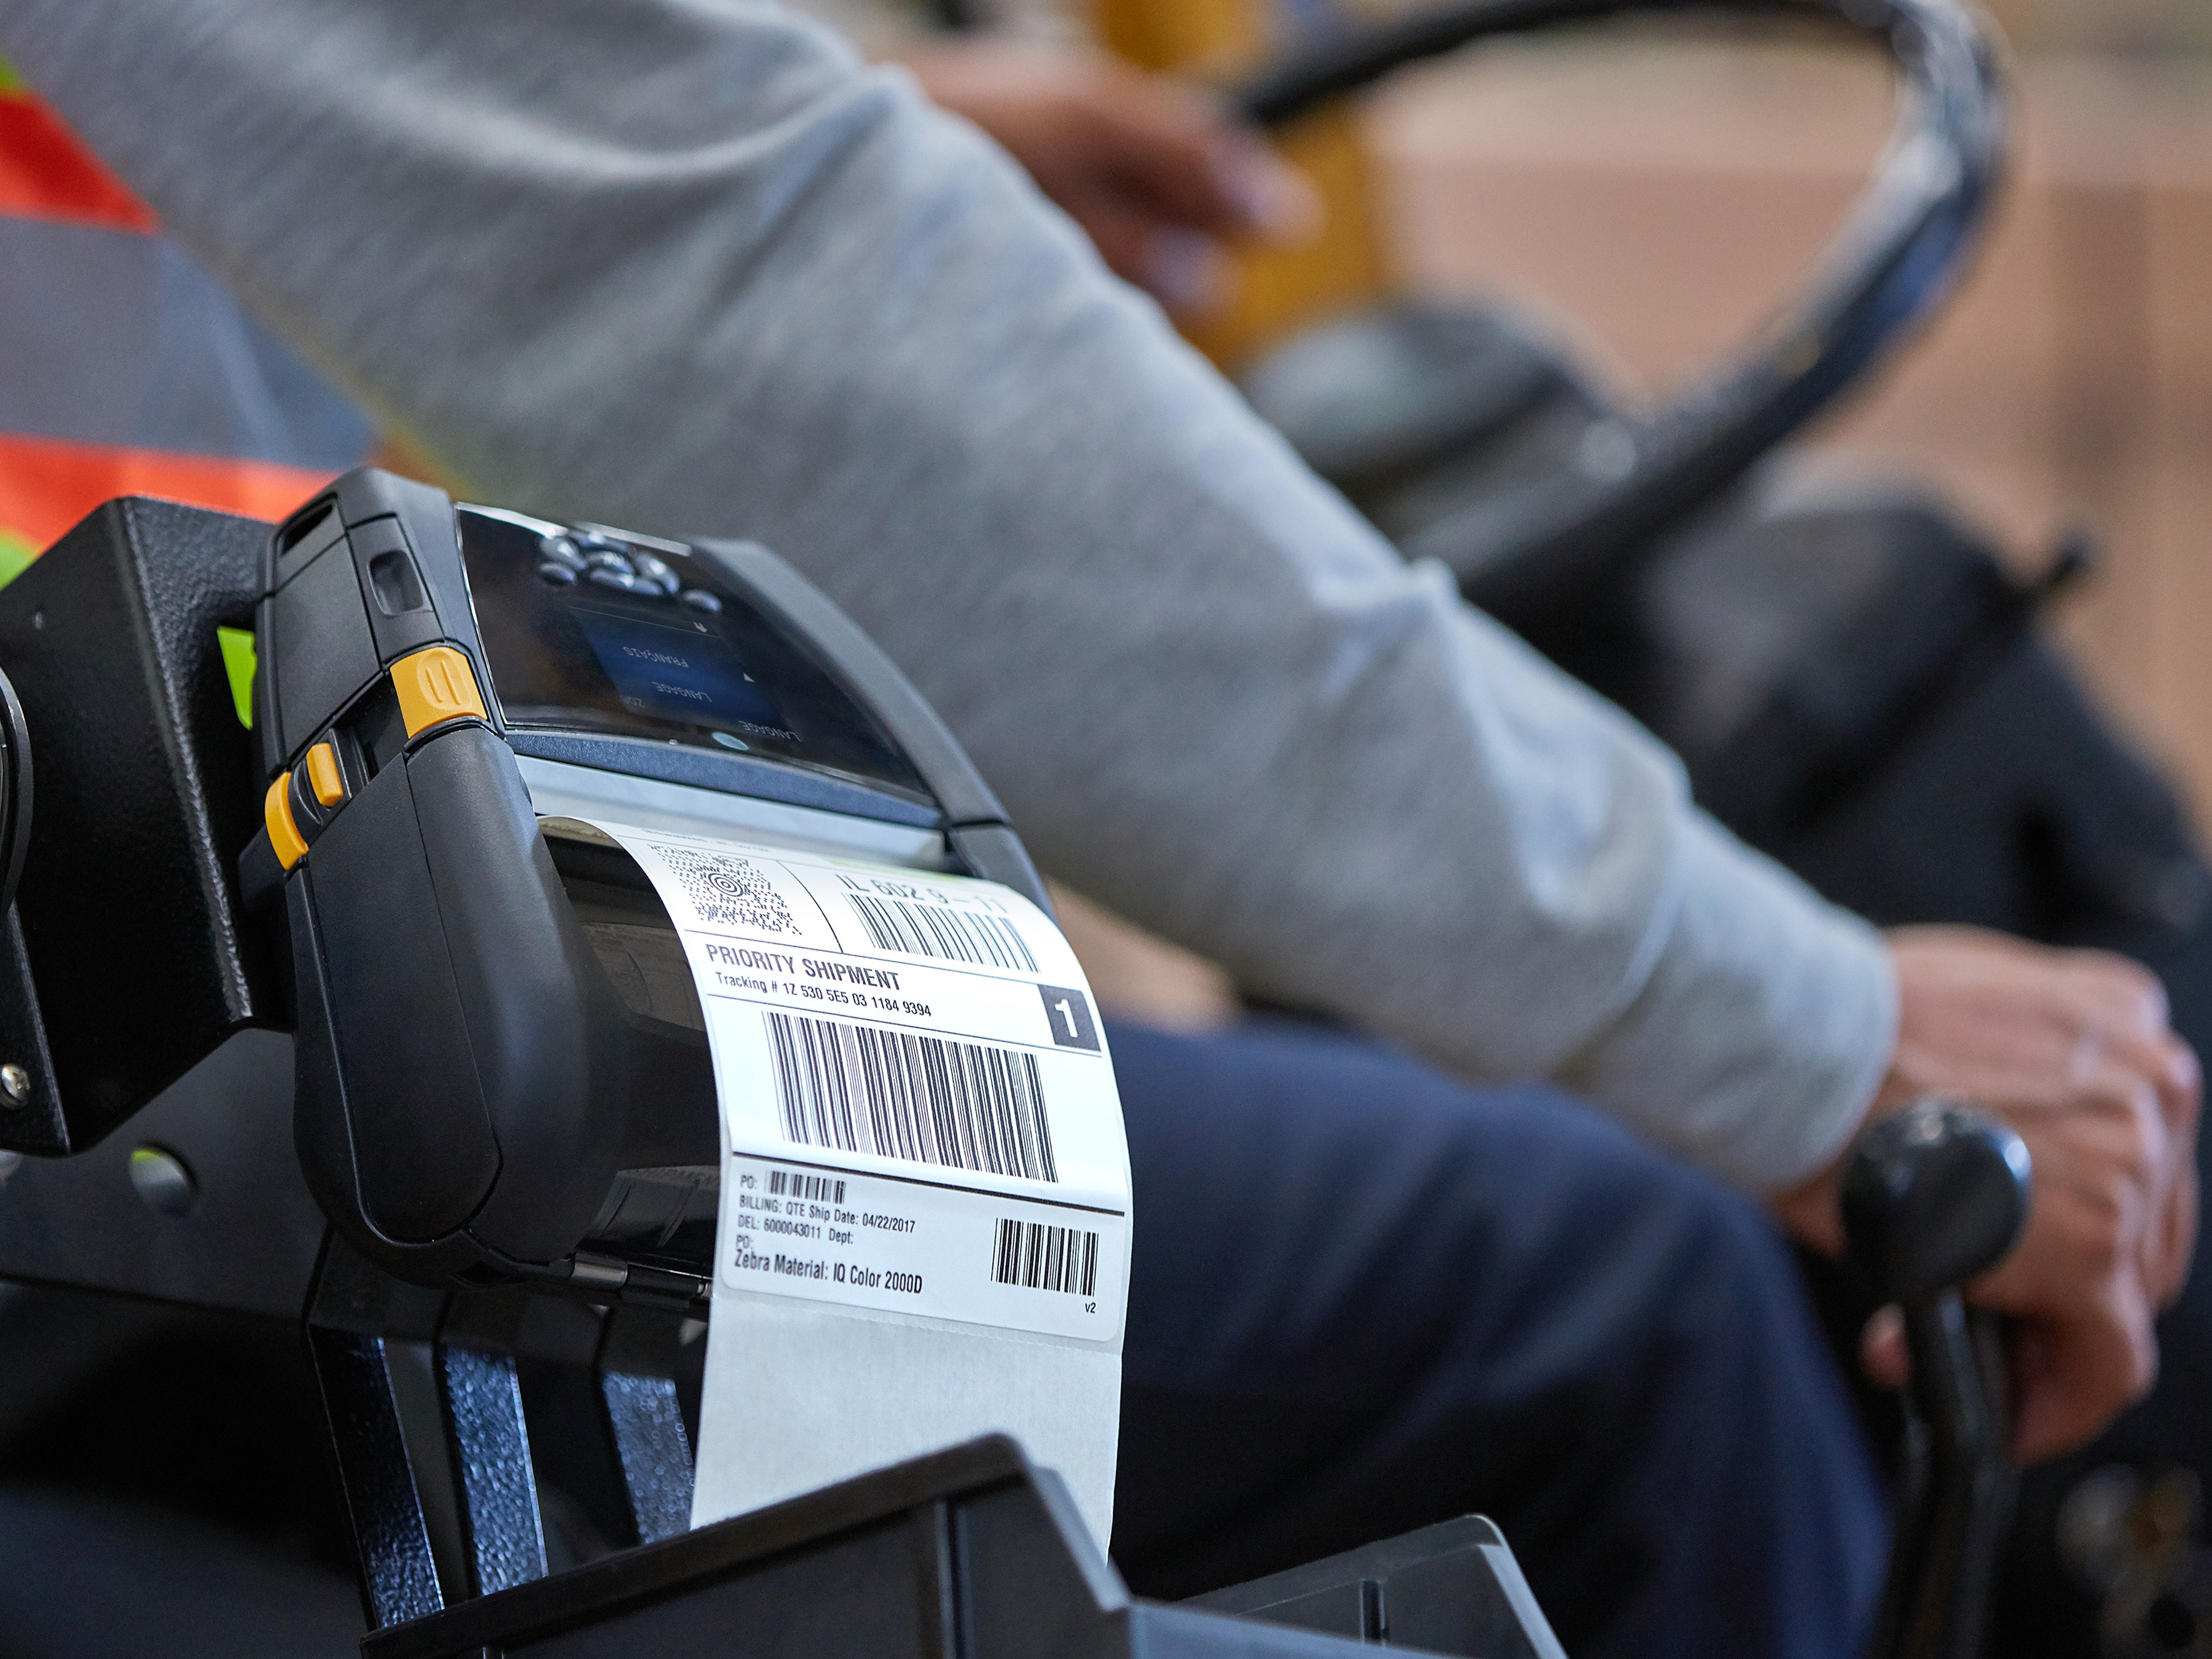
{"x": 125, "y": 369}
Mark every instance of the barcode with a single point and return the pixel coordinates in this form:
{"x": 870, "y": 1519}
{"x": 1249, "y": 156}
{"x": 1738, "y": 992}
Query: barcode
{"x": 936, "y": 930}
{"x": 1041, "y": 1258}
{"x": 929, "y": 1100}
{"x": 818, "y": 1189}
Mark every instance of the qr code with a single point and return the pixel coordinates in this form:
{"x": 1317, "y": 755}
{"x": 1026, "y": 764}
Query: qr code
{"x": 729, "y": 890}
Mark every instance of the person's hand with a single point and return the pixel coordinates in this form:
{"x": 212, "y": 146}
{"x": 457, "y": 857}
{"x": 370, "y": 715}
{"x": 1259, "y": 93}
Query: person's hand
{"x": 1157, "y": 173}
{"x": 2071, "y": 1048}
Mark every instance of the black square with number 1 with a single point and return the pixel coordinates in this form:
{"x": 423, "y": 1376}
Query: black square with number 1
{"x": 1069, "y": 1014}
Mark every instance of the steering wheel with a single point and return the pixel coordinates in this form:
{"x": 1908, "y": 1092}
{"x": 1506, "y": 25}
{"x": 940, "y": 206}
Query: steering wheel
{"x": 1556, "y": 539}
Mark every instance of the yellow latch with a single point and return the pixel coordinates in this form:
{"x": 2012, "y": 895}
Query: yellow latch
{"x": 325, "y": 781}
{"x": 284, "y": 836}
{"x": 436, "y": 685}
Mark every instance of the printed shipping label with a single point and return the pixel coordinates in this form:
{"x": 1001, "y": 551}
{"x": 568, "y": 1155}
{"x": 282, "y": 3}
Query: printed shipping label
{"x": 917, "y": 1107}
{"x": 922, "y": 1247}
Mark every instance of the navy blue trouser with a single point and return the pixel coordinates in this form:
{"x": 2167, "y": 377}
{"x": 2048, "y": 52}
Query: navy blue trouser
{"x": 1366, "y": 1297}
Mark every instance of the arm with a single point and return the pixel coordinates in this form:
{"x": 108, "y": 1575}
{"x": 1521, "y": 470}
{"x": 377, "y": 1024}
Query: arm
{"x": 688, "y": 267}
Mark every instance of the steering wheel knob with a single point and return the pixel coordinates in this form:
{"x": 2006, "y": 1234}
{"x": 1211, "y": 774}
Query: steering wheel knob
{"x": 1934, "y": 1196}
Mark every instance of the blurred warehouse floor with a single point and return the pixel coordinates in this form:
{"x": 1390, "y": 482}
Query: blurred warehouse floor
{"x": 1664, "y": 195}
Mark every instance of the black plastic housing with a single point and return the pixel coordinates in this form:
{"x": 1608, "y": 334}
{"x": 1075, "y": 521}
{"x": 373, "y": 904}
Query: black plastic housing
{"x": 463, "y": 1067}
{"x": 127, "y": 958}
{"x": 1450, "y": 1587}
{"x": 968, "y": 1553}
{"x": 462, "y": 1063}
{"x": 328, "y": 627}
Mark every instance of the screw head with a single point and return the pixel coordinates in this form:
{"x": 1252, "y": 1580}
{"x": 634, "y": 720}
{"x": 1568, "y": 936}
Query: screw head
{"x": 15, "y": 1086}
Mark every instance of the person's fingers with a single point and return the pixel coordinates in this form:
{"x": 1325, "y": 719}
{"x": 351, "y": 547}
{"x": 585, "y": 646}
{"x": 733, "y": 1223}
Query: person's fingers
{"x": 2158, "y": 1074}
{"x": 1120, "y": 235}
{"x": 2181, "y": 1097}
{"x": 1158, "y": 150}
{"x": 1810, "y": 1211}
{"x": 1159, "y": 174}
{"x": 2072, "y": 1374}
{"x": 2066, "y": 1386}
{"x": 1883, "y": 1355}
{"x": 2104, "y": 1176}
{"x": 2034, "y": 1389}
{"x": 2116, "y": 991}
{"x": 1170, "y": 152}
{"x": 1185, "y": 271}
{"x": 2122, "y": 1012}
{"x": 1280, "y": 203}
{"x": 2078, "y": 1279}
{"x": 2179, "y": 1228}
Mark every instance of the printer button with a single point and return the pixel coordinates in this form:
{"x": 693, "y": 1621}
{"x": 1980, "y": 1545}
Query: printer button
{"x": 324, "y": 778}
{"x": 655, "y": 572}
{"x": 284, "y": 837}
{"x": 436, "y": 685}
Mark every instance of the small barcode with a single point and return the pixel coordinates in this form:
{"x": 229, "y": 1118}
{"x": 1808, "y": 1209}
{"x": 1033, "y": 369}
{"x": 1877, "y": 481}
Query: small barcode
{"x": 928, "y": 1100}
{"x": 975, "y": 937}
{"x": 1041, "y": 1258}
{"x": 817, "y": 1189}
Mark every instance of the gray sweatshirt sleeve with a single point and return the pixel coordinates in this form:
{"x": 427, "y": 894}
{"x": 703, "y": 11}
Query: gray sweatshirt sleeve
{"x": 684, "y": 265}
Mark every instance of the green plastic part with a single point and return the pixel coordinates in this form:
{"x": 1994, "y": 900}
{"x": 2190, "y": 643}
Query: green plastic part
{"x": 17, "y": 555}
{"x": 239, "y": 661}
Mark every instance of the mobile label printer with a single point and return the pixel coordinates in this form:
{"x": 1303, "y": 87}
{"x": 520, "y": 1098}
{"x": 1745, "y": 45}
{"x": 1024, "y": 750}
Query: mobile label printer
{"x": 648, "y": 928}
{"x": 592, "y": 963}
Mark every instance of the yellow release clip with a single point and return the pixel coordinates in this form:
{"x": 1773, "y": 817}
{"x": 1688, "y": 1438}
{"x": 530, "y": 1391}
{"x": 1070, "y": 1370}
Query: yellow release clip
{"x": 436, "y": 685}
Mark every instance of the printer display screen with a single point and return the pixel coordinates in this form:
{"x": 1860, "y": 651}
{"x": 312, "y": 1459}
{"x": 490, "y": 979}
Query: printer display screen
{"x": 606, "y": 635}
{"x": 679, "y": 673}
